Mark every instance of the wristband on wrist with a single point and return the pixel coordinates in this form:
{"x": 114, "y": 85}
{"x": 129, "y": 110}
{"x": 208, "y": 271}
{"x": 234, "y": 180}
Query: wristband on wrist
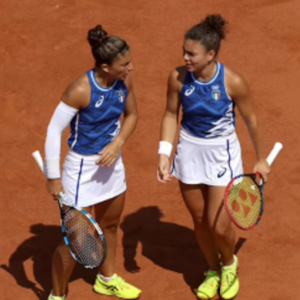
{"x": 165, "y": 148}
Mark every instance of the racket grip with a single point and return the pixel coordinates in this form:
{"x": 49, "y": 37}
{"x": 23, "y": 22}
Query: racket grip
{"x": 275, "y": 151}
{"x": 39, "y": 160}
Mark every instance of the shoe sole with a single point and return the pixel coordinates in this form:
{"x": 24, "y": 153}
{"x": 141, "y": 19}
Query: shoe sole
{"x": 206, "y": 298}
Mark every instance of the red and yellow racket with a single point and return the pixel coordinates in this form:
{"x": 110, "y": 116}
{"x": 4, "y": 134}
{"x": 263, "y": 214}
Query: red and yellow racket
{"x": 244, "y": 197}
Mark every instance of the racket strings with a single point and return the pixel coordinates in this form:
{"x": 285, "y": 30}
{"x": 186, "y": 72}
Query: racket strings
{"x": 245, "y": 201}
{"x": 84, "y": 239}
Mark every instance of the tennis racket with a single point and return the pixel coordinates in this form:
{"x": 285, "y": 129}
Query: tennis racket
{"x": 244, "y": 196}
{"x": 82, "y": 234}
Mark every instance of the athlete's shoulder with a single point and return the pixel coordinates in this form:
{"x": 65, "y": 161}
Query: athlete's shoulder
{"x": 81, "y": 83}
{"x": 233, "y": 78}
{"x": 78, "y": 92}
{"x": 235, "y": 82}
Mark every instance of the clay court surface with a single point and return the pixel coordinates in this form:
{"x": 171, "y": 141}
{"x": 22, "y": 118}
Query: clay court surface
{"x": 43, "y": 48}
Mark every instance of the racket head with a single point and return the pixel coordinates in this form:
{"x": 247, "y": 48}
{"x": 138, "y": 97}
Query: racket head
{"x": 244, "y": 200}
{"x": 84, "y": 237}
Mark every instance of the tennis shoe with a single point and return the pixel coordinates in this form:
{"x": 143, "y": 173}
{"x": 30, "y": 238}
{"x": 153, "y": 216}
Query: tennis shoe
{"x": 229, "y": 280}
{"x": 116, "y": 287}
{"x": 209, "y": 288}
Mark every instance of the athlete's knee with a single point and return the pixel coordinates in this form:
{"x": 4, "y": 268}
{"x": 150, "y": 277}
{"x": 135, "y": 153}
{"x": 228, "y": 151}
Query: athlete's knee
{"x": 62, "y": 251}
{"x": 61, "y": 246}
{"x": 222, "y": 230}
{"x": 199, "y": 220}
{"x": 111, "y": 226}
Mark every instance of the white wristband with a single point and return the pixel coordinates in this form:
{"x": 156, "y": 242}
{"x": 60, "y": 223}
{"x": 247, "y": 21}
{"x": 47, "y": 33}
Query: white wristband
{"x": 53, "y": 168}
{"x": 165, "y": 148}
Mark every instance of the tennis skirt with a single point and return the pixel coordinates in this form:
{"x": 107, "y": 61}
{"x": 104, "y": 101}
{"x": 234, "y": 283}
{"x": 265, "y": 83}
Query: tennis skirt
{"x": 211, "y": 162}
{"x": 86, "y": 183}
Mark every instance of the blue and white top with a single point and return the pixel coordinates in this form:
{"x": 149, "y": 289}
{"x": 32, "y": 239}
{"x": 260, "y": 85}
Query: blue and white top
{"x": 208, "y": 111}
{"x": 98, "y": 124}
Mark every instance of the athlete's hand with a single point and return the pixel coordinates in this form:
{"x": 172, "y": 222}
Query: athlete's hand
{"x": 263, "y": 168}
{"x": 163, "y": 169}
{"x": 54, "y": 187}
{"x": 110, "y": 153}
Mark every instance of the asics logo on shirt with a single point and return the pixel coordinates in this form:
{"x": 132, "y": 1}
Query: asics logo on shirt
{"x": 99, "y": 102}
{"x": 189, "y": 91}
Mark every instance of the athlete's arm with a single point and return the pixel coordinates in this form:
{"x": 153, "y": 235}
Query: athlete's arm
{"x": 111, "y": 152}
{"x": 170, "y": 121}
{"x": 74, "y": 98}
{"x": 239, "y": 91}
{"x": 170, "y": 118}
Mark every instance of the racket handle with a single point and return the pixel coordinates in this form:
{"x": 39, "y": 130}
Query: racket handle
{"x": 39, "y": 160}
{"x": 275, "y": 151}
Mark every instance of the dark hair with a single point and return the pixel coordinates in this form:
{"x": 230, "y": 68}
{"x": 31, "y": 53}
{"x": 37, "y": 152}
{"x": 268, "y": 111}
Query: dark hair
{"x": 209, "y": 32}
{"x": 105, "y": 48}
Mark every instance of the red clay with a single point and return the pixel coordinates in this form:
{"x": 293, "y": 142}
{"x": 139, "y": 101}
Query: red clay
{"x": 43, "y": 48}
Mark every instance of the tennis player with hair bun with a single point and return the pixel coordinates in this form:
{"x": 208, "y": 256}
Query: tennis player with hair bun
{"x": 208, "y": 153}
{"x": 93, "y": 173}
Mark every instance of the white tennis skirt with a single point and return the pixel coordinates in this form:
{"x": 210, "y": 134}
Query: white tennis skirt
{"x": 86, "y": 183}
{"x": 211, "y": 162}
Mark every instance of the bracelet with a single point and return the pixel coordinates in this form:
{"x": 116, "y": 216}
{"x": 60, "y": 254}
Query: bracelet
{"x": 165, "y": 148}
{"x": 53, "y": 168}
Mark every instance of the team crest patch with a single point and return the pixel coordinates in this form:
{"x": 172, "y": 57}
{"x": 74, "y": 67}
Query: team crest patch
{"x": 216, "y": 94}
{"x": 121, "y": 96}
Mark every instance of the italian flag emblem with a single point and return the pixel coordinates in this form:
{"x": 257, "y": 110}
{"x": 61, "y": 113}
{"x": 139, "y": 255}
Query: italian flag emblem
{"x": 121, "y": 96}
{"x": 216, "y": 94}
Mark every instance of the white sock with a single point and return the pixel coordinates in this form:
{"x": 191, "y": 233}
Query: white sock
{"x": 57, "y": 297}
{"x": 106, "y": 279}
{"x": 234, "y": 259}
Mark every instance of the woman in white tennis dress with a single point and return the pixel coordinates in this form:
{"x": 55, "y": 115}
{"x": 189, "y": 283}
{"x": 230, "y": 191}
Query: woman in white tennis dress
{"x": 208, "y": 154}
{"x": 93, "y": 173}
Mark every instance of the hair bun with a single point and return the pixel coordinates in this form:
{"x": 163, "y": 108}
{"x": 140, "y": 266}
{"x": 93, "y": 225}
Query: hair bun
{"x": 217, "y": 23}
{"x": 96, "y": 36}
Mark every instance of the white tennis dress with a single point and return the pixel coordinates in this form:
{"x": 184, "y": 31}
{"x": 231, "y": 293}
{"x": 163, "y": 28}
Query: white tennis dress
{"x": 208, "y": 151}
{"x": 92, "y": 129}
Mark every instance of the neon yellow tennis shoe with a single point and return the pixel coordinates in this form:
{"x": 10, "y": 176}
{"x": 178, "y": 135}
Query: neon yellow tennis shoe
{"x": 229, "y": 280}
{"x": 116, "y": 287}
{"x": 209, "y": 288}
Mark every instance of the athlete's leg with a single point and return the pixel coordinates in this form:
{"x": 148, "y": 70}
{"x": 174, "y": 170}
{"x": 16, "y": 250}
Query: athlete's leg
{"x": 220, "y": 223}
{"x": 225, "y": 239}
{"x": 194, "y": 196}
{"x": 108, "y": 214}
